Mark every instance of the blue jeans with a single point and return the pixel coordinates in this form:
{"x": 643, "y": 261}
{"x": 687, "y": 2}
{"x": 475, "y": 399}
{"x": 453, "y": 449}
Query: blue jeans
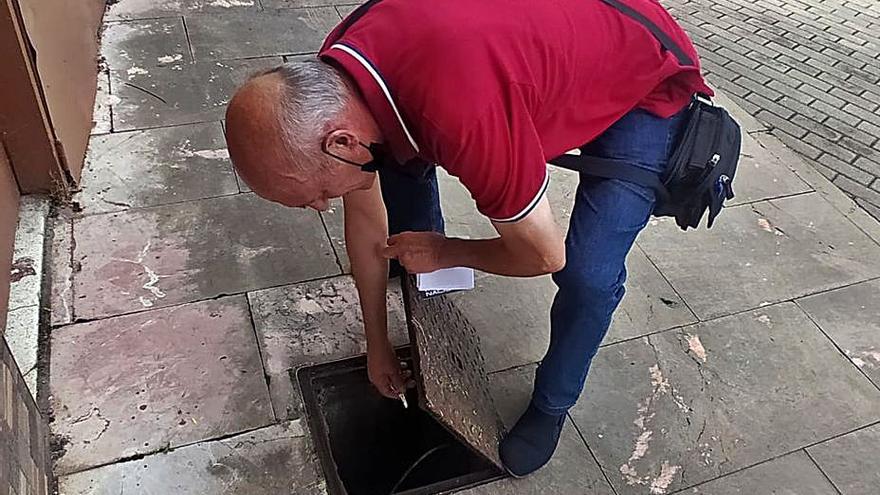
{"x": 606, "y": 218}
{"x": 412, "y": 203}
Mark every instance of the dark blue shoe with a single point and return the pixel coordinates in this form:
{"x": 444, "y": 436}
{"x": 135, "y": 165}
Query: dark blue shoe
{"x": 531, "y": 442}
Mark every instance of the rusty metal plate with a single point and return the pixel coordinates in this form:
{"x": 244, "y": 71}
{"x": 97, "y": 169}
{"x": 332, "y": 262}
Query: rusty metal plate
{"x": 450, "y": 370}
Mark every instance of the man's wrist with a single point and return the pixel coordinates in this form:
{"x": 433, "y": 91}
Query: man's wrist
{"x": 453, "y": 253}
{"x": 378, "y": 341}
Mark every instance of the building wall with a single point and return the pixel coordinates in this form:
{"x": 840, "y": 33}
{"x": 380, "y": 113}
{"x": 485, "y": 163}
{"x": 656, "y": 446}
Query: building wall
{"x": 8, "y": 219}
{"x": 25, "y": 130}
{"x": 24, "y": 467}
{"x": 64, "y": 37}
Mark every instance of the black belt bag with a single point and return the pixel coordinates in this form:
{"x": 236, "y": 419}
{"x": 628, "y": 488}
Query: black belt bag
{"x": 699, "y": 175}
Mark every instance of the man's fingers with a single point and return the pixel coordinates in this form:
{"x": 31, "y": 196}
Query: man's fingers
{"x": 390, "y": 252}
{"x": 394, "y": 239}
{"x": 398, "y": 382}
{"x": 388, "y": 389}
{"x": 394, "y": 384}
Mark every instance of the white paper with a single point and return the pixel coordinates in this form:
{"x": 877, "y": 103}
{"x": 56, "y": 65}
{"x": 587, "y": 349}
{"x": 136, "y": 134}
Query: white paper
{"x": 457, "y": 278}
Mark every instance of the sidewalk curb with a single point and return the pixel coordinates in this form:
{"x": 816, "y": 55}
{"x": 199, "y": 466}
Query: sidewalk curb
{"x": 26, "y": 291}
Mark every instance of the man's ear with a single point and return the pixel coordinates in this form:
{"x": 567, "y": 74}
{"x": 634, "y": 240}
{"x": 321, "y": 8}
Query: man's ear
{"x": 341, "y": 142}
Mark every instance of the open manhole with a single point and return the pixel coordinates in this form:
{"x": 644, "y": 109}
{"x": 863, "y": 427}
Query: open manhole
{"x": 370, "y": 445}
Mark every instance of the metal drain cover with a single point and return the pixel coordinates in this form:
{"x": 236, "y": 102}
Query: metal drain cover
{"x": 450, "y": 370}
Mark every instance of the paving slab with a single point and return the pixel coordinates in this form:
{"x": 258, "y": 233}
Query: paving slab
{"x": 463, "y": 220}
{"x": 243, "y": 34}
{"x": 312, "y": 323}
{"x": 148, "y": 9}
{"x": 561, "y": 193}
{"x": 513, "y": 314}
{"x": 650, "y": 303}
{"x": 334, "y": 222}
{"x": 571, "y": 470}
{"x": 793, "y": 474}
{"x": 181, "y": 93}
{"x": 851, "y": 317}
{"x": 133, "y": 47}
{"x": 140, "y": 383}
{"x": 147, "y": 258}
{"x": 760, "y": 175}
{"x": 460, "y": 212}
{"x": 850, "y": 461}
{"x": 270, "y": 461}
{"x": 344, "y": 10}
{"x": 675, "y": 409}
{"x": 155, "y": 167}
{"x": 761, "y": 253}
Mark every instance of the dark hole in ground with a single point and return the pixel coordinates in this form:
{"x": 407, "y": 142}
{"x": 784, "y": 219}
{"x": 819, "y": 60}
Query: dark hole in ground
{"x": 370, "y": 445}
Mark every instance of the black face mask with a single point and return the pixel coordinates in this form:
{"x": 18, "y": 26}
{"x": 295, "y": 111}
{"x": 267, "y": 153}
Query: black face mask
{"x": 383, "y": 159}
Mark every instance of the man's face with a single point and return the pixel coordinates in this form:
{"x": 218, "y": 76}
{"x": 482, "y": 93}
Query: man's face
{"x": 295, "y": 191}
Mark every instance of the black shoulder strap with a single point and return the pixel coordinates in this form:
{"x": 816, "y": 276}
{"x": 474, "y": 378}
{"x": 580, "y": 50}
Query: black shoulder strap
{"x": 609, "y": 168}
{"x": 658, "y": 33}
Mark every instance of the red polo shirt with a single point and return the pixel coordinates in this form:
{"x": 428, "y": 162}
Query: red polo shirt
{"x": 492, "y": 89}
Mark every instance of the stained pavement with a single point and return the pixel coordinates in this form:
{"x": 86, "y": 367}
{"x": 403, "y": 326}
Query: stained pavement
{"x": 743, "y": 359}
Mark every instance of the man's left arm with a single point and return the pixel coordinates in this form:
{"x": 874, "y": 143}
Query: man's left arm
{"x": 529, "y": 247}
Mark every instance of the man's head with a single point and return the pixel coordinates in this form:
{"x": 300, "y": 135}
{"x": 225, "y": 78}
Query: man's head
{"x": 284, "y": 124}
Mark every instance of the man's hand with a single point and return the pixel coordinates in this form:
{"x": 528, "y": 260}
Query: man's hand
{"x": 385, "y": 372}
{"x": 417, "y": 252}
{"x": 530, "y": 247}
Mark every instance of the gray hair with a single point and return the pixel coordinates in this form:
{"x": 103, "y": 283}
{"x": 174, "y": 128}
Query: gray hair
{"x": 315, "y": 94}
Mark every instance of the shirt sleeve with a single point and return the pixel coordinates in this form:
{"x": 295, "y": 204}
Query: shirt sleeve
{"x": 498, "y": 157}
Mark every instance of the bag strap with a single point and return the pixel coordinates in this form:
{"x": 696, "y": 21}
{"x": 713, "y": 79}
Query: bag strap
{"x": 609, "y": 168}
{"x": 658, "y": 33}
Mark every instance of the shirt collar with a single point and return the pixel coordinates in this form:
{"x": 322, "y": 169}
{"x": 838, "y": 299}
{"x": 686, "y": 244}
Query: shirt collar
{"x": 378, "y": 97}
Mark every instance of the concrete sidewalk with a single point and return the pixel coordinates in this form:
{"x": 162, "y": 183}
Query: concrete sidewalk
{"x": 743, "y": 359}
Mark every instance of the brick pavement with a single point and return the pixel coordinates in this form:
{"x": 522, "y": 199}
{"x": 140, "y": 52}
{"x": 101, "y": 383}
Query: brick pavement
{"x": 807, "y": 69}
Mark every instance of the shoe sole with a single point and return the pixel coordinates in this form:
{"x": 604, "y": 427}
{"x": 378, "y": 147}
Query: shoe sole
{"x": 517, "y": 476}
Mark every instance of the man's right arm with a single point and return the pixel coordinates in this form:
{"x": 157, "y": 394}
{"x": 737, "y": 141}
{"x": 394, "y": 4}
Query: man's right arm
{"x": 366, "y": 233}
